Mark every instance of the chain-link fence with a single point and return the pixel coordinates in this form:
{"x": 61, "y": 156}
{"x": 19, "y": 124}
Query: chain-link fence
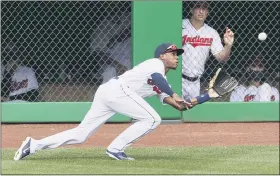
{"x": 251, "y": 61}
{"x": 62, "y": 50}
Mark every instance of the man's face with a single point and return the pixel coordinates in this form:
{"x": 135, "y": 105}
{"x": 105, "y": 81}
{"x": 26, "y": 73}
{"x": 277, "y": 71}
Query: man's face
{"x": 171, "y": 60}
{"x": 200, "y": 13}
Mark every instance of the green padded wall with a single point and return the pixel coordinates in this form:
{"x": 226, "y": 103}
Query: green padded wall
{"x": 155, "y": 22}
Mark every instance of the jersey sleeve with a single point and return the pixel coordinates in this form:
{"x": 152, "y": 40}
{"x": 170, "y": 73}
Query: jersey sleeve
{"x": 32, "y": 80}
{"x": 162, "y": 96}
{"x": 234, "y": 96}
{"x": 275, "y": 94}
{"x": 237, "y": 95}
{"x": 184, "y": 23}
{"x": 264, "y": 93}
{"x": 216, "y": 45}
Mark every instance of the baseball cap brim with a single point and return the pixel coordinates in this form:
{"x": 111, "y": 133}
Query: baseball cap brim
{"x": 179, "y": 51}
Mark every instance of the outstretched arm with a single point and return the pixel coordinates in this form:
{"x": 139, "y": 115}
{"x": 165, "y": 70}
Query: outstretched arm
{"x": 179, "y": 106}
{"x": 191, "y": 102}
{"x": 203, "y": 98}
{"x": 162, "y": 84}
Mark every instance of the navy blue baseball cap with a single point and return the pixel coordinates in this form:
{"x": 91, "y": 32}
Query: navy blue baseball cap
{"x": 167, "y": 48}
{"x": 200, "y": 4}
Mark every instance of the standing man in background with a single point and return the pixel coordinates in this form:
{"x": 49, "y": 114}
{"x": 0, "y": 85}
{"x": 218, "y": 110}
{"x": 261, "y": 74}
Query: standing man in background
{"x": 198, "y": 40}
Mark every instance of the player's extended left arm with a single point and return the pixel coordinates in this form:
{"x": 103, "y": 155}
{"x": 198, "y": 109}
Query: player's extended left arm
{"x": 193, "y": 101}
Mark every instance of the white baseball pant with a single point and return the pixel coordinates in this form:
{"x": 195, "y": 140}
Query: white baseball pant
{"x": 190, "y": 89}
{"x": 111, "y": 97}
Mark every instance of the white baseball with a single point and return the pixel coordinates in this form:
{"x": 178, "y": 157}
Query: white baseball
{"x": 262, "y": 36}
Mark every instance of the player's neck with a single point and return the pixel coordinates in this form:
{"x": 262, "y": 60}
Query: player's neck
{"x": 196, "y": 24}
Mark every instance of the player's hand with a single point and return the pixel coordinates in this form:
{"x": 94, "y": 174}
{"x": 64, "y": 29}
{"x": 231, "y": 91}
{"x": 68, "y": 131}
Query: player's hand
{"x": 178, "y": 99}
{"x": 187, "y": 105}
{"x": 228, "y": 37}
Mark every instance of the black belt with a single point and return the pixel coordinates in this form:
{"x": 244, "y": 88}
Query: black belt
{"x": 192, "y": 79}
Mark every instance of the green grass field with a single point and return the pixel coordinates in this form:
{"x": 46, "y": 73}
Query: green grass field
{"x": 189, "y": 160}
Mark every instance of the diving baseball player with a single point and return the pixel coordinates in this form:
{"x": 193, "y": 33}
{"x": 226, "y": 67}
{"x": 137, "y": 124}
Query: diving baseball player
{"x": 124, "y": 94}
{"x": 198, "y": 39}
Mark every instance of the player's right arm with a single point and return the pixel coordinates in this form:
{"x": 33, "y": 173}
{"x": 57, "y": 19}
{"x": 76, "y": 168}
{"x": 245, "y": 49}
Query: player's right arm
{"x": 179, "y": 106}
{"x": 190, "y": 103}
{"x": 163, "y": 85}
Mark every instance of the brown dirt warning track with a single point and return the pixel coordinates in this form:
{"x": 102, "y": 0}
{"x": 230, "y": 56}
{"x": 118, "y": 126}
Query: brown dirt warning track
{"x": 168, "y": 135}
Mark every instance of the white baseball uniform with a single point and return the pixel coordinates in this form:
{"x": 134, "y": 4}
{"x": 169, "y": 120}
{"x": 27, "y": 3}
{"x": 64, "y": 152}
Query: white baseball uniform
{"x": 238, "y": 94}
{"x": 263, "y": 93}
{"x": 197, "y": 45}
{"x": 275, "y": 94}
{"x": 267, "y": 93}
{"x": 23, "y": 80}
{"x": 250, "y": 94}
{"x": 124, "y": 95}
{"x": 242, "y": 94}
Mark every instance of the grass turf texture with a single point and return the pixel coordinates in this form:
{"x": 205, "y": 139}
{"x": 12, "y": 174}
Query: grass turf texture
{"x": 189, "y": 160}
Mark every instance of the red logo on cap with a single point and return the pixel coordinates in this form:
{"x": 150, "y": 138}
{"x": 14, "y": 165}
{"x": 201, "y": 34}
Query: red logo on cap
{"x": 171, "y": 48}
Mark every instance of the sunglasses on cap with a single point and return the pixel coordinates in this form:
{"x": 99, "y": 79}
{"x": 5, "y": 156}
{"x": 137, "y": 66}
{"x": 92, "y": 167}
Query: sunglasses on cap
{"x": 171, "y": 48}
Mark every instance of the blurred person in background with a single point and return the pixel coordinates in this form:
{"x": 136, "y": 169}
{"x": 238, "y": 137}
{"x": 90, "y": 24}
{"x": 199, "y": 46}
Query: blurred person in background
{"x": 198, "y": 40}
{"x": 120, "y": 56}
{"x": 111, "y": 44}
{"x": 256, "y": 88}
{"x": 23, "y": 85}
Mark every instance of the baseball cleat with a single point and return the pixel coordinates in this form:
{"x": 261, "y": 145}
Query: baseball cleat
{"x": 24, "y": 150}
{"x": 119, "y": 155}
